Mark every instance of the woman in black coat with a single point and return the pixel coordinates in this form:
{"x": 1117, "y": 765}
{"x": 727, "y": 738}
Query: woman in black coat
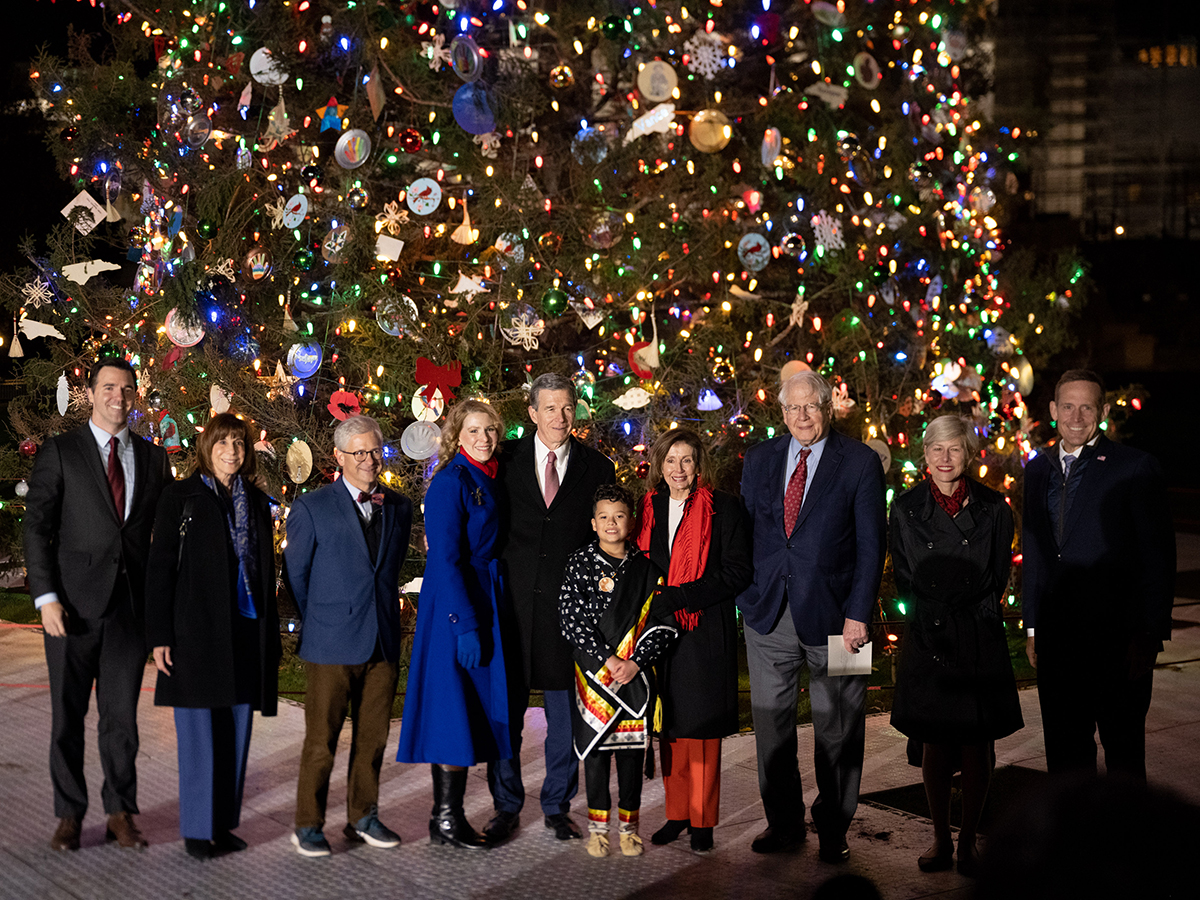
{"x": 955, "y": 693}
{"x": 212, "y": 621}
{"x": 699, "y": 537}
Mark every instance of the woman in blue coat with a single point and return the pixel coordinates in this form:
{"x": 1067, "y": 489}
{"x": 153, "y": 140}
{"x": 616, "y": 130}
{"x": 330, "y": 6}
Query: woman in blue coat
{"x": 456, "y": 705}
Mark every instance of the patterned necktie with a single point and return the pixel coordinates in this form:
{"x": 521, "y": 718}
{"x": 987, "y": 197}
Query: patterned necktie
{"x": 551, "y": 479}
{"x": 793, "y": 499}
{"x": 116, "y": 477}
{"x": 1068, "y": 461}
{"x": 375, "y": 499}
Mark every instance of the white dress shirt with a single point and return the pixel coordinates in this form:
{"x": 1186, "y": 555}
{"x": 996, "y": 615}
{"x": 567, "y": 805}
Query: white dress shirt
{"x": 365, "y": 510}
{"x": 814, "y": 459}
{"x": 561, "y": 455}
{"x": 674, "y": 517}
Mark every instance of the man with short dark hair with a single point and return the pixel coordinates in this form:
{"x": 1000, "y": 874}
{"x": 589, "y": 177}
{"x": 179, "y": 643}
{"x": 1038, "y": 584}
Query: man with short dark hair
{"x": 550, "y": 479}
{"x": 88, "y": 520}
{"x": 1098, "y": 575}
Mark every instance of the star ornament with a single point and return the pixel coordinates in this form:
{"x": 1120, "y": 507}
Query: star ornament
{"x": 278, "y": 130}
{"x": 37, "y": 293}
{"x": 392, "y": 218}
{"x": 331, "y": 114}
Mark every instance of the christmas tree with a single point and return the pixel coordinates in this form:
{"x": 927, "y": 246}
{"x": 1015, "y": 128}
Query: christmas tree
{"x": 301, "y": 210}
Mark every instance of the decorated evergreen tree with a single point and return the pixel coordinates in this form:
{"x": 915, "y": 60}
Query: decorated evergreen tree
{"x": 299, "y": 210}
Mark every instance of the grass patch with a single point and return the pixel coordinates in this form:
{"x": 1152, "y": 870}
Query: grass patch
{"x": 18, "y": 607}
{"x": 293, "y": 681}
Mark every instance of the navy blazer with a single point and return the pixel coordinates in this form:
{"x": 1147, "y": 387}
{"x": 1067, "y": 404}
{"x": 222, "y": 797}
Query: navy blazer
{"x": 1115, "y": 568}
{"x": 345, "y": 602}
{"x": 831, "y": 566}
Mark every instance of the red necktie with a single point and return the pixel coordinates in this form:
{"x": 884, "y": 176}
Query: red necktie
{"x": 116, "y": 477}
{"x": 793, "y": 499}
{"x": 551, "y": 479}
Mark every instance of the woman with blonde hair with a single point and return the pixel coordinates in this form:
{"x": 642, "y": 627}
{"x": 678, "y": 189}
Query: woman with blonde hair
{"x": 456, "y": 705}
{"x": 955, "y": 693}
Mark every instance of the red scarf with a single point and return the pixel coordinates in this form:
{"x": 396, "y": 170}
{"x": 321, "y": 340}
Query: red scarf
{"x": 951, "y": 503}
{"x": 489, "y": 468}
{"x": 689, "y": 553}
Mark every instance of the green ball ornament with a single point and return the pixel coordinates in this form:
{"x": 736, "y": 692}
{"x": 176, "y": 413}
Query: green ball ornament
{"x": 614, "y": 27}
{"x": 303, "y": 260}
{"x": 554, "y": 302}
{"x": 207, "y": 229}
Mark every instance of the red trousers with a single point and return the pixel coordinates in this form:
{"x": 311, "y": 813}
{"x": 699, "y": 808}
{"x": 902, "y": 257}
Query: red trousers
{"x": 692, "y": 779}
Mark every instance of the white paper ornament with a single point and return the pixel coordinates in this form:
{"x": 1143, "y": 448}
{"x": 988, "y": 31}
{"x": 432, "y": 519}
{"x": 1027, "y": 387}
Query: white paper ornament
{"x": 218, "y": 399}
{"x": 299, "y": 462}
{"x": 634, "y": 398}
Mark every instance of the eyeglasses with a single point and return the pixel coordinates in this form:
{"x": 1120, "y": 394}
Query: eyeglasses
{"x": 810, "y": 408}
{"x": 360, "y": 455}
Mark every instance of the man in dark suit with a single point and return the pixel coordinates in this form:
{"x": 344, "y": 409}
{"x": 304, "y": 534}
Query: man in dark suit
{"x": 549, "y": 478}
{"x": 1098, "y": 575}
{"x": 88, "y": 519}
{"x": 345, "y": 545}
{"x": 816, "y": 499}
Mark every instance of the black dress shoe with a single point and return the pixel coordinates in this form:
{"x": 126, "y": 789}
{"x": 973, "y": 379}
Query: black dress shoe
{"x": 564, "y": 828}
{"x": 775, "y": 840}
{"x": 702, "y": 840}
{"x": 669, "y": 832}
{"x": 228, "y": 842}
{"x": 198, "y": 848}
{"x": 939, "y": 862}
{"x": 834, "y": 851}
{"x": 501, "y": 826}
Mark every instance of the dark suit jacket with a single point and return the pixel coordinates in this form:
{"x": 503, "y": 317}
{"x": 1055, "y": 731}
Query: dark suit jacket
{"x": 1114, "y": 573}
{"x": 75, "y": 545}
{"x": 345, "y": 602}
{"x": 831, "y": 566}
{"x": 191, "y": 604}
{"x": 535, "y": 543}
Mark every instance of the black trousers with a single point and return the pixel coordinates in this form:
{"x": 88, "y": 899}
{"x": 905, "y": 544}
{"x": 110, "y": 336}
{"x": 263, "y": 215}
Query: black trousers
{"x": 596, "y": 769}
{"x": 1073, "y": 714}
{"x": 109, "y": 652}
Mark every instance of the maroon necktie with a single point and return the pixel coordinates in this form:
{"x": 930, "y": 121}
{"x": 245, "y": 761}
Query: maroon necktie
{"x": 116, "y": 477}
{"x": 793, "y": 499}
{"x": 551, "y": 479}
{"x": 376, "y": 499}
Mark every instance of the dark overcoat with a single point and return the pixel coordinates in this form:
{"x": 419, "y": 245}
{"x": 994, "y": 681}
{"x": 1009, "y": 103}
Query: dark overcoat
{"x": 452, "y": 715}
{"x": 219, "y": 657}
{"x": 954, "y": 682}
{"x": 699, "y": 673}
{"x": 535, "y": 543}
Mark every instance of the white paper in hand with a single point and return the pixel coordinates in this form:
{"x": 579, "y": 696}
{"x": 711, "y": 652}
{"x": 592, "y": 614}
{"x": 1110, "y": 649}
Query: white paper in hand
{"x": 842, "y": 662}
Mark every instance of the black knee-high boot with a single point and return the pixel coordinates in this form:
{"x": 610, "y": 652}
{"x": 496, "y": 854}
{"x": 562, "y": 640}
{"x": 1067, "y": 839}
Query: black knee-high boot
{"x": 447, "y": 823}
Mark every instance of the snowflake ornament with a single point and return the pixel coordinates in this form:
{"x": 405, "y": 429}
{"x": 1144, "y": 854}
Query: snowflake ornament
{"x": 224, "y": 269}
{"x": 799, "y": 308}
{"x": 277, "y": 210}
{"x": 37, "y": 293}
{"x": 706, "y": 56}
{"x": 436, "y": 52}
{"x": 524, "y": 330}
{"x": 828, "y": 232}
{"x": 392, "y": 217}
{"x": 489, "y": 144}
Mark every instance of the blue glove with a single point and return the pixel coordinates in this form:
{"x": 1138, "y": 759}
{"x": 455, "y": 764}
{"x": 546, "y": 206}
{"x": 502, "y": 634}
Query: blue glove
{"x": 470, "y": 653}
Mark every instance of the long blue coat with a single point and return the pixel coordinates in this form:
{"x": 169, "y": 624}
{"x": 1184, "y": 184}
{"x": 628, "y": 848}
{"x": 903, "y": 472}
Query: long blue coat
{"x": 452, "y": 715}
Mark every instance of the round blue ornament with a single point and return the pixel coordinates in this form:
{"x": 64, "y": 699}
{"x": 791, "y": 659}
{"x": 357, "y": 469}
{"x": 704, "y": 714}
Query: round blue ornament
{"x": 304, "y": 359}
{"x": 472, "y": 109}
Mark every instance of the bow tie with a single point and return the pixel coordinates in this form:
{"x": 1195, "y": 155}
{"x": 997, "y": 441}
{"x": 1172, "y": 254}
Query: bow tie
{"x": 376, "y": 499}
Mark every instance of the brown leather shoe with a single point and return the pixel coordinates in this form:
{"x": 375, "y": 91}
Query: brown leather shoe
{"x": 122, "y": 830}
{"x": 66, "y": 835}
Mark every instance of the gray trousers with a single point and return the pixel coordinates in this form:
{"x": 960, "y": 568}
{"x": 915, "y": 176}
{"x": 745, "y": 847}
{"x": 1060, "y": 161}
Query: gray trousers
{"x": 839, "y": 731}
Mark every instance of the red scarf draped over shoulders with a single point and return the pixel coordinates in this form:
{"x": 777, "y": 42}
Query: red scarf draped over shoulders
{"x": 689, "y": 552}
{"x": 489, "y": 468}
{"x": 951, "y": 503}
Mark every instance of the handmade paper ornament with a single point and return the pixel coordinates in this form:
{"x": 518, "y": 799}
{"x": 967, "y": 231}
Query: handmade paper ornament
{"x": 524, "y": 328}
{"x": 168, "y": 433}
{"x": 420, "y": 440}
{"x": 754, "y": 251}
{"x": 39, "y": 292}
{"x": 333, "y": 248}
{"x": 219, "y": 399}
{"x": 428, "y": 408}
{"x": 589, "y": 314}
{"x": 706, "y": 54}
{"x": 257, "y": 264}
{"x": 423, "y": 196}
{"x": 469, "y": 285}
{"x": 710, "y": 131}
{"x": 832, "y": 95}
{"x": 352, "y": 149}
{"x": 843, "y": 403}
{"x": 343, "y": 404}
{"x": 658, "y": 121}
{"x": 294, "y": 211}
{"x": 464, "y": 233}
{"x": 299, "y": 462}
{"x": 708, "y": 400}
{"x": 388, "y": 248}
{"x": 473, "y": 109}
{"x": 656, "y": 80}
{"x": 33, "y": 329}
{"x": 265, "y": 69}
{"x": 440, "y": 379}
{"x": 634, "y": 398}
{"x": 262, "y": 445}
{"x": 85, "y": 212}
{"x": 81, "y": 273}
{"x": 866, "y": 71}
{"x": 330, "y": 115}
{"x": 62, "y": 394}
{"x": 510, "y": 247}
{"x": 279, "y": 128}
{"x": 828, "y": 232}
{"x": 243, "y": 104}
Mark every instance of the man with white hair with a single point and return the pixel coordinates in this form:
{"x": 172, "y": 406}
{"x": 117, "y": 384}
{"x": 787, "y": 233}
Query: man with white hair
{"x": 816, "y": 501}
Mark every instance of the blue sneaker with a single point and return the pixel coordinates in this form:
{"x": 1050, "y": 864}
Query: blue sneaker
{"x": 311, "y": 842}
{"x": 373, "y": 832}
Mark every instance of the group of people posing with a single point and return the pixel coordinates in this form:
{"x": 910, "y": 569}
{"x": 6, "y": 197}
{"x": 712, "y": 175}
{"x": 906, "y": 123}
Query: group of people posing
{"x": 543, "y": 574}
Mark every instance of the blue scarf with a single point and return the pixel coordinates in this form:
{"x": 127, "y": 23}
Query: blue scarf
{"x": 241, "y": 533}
